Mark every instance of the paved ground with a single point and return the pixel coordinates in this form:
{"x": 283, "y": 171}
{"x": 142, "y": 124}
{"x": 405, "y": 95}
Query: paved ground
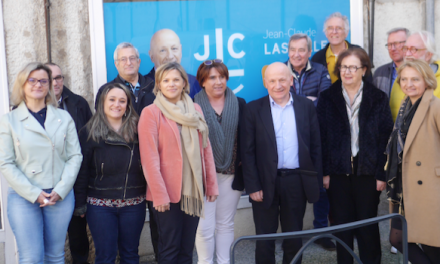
{"x": 313, "y": 254}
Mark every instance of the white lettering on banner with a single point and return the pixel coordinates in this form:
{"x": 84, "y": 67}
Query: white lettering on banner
{"x": 231, "y": 46}
{"x": 206, "y": 55}
{"x": 265, "y": 50}
{"x": 276, "y": 49}
{"x": 290, "y": 32}
{"x": 219, "y": 43}
{"x": 219, "y": 52}
{"x": 285, "y": 48}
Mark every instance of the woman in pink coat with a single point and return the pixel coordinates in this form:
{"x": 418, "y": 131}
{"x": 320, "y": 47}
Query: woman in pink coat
{"x": 178, "y": 163}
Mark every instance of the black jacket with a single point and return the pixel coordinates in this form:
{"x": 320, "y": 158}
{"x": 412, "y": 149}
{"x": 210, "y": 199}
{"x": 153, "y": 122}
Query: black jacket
{"x": 111, "y": 169}
{"x": 320, "y": 57}
{"x": 375, "y": 126}
{"x": 77, "y": 107}
{"x": 260, "y": 156}
{"x": 145, "y": 96}
{"x": 238, "y": 183}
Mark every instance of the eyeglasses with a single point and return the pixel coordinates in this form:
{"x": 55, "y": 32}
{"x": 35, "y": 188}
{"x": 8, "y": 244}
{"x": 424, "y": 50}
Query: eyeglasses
{"x": 337, "y": 29}
{"x": 300, "y": 51}
{"x": 210, "y": 62}
{"x": 351, "y": 68}
{"x": 132, "y": 59}
{"x": 43, "y": 82}
{"x": 413, "y": 50}
{"x": 59, "y": 78}
{"x": 396, "y": 45}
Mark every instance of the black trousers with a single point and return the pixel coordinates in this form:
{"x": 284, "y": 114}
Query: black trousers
{"x": 289, "y": 205}
{"x": 354, "y": 198}
{"x": 78, "y": 240}
{"x": 153, "y": 229}
{"x": 177, "y": 235}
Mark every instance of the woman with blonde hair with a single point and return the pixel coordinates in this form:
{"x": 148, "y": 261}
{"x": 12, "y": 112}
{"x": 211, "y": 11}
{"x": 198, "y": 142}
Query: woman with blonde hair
{"x": 413, "y": 168}
{"x": 178, "y": 163}
{"x": 40, "y": 158}
{"x": 111, "y": 187}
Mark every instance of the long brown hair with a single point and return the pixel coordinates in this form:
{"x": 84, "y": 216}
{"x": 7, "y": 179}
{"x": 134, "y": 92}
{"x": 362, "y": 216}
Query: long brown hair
{"x": 99, "y": 127}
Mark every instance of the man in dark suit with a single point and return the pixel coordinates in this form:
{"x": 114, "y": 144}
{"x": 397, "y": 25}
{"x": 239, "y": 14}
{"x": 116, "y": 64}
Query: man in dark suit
{"x": 281, "y": 161}
{"x": 79, "y": 110}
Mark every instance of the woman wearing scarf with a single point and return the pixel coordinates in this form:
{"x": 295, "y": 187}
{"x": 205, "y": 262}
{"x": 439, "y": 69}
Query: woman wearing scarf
{"x": 355, "y": 122}
{"x": 178, "y": 163}
{"x": 222, "y": 111}
{"x": 413, "y": 169}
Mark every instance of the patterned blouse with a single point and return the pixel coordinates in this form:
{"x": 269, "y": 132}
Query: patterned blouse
{"x": 115, "y": 202}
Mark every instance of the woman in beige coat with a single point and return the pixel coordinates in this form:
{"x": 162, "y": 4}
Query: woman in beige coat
{"x": 413, "y": 171}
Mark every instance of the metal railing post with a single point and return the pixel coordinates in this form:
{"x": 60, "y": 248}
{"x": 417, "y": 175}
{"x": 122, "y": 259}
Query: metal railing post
{"x": 328, "y": 232}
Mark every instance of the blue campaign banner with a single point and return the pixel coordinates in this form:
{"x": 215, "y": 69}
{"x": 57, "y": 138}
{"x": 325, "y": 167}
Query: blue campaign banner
{"x": 245, "y": 34}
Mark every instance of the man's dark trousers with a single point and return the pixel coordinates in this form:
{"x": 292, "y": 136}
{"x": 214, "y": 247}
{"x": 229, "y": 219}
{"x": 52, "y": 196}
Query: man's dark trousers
{"x": 289, "y": 203}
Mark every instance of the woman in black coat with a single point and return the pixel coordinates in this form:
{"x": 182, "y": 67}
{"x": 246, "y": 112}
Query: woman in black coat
{"x": 110, "y": 188}
{"x": 355, "y": 122}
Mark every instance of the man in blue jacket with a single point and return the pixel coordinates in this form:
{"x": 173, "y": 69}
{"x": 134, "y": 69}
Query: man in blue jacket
{"x": 309, "y": 80}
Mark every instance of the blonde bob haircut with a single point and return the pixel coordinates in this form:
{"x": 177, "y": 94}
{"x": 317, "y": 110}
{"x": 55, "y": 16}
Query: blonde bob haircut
{"x": 18, "y": 96}
{"x": 164, "y": 69}
{"x": 423, "y": 68}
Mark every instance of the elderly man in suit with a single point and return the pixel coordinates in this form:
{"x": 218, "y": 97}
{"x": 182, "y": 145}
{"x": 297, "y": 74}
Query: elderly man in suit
{"x": 281, "y": 161}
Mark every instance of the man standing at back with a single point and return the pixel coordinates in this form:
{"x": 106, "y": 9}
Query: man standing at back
{"x": 419, "y": 45}
{"x": 385, "y": 75}
{"x": 282, "y": 167}
{"x": 127, "y": 63}
{"x": 309, "y": 80}
{"x": 336, "y": 28}
{"x": 79, "y": 110}
{"x": 165, "y": 47}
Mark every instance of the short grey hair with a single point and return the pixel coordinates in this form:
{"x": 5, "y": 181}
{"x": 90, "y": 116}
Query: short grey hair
{"x": 124, "y": 45}
{"x": 397, "y": 29}
{"x": 429, "y": 41}
{"x": 298, "y": 36}
{"x": 338, "y": 15}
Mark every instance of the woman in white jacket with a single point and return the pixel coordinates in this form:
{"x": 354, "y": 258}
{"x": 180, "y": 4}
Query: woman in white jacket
{"x": 40, "y": 157}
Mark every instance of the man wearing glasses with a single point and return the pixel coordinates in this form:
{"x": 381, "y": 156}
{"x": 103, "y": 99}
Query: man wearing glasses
{"x": 127, "y": 63}
{"x": 336, "y": 28}
{"x": 420, "y": 45}
{"x": 385, "y": 75}
{"x": 165, "y": 47}
{"x": 79, "y": 110}
{"x": 309, "y": 80}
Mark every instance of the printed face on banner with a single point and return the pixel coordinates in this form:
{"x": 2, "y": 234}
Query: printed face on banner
{"x": 246, "y": 35}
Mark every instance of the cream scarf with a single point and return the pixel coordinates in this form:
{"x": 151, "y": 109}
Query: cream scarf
{"x": 185, "y": 114}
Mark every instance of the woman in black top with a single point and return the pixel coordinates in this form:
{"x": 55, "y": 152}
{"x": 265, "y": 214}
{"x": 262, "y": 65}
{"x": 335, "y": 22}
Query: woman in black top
{"x": 355, "y": 122}
{"x": 110, "y": 186}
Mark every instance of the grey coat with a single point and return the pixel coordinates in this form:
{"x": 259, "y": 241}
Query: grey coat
{"x": 382, "y": 78}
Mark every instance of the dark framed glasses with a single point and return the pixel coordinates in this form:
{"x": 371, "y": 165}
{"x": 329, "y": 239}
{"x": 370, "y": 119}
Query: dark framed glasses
{"x": 210, "y": 62}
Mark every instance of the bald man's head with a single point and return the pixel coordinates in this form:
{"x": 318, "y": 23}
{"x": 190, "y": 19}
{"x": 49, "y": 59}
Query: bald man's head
{"x": 165, "y": 47}
{"x": 277, "y": 80}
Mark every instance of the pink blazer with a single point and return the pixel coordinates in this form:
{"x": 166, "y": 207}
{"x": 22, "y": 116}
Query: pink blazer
{"x": 161, "y": 158}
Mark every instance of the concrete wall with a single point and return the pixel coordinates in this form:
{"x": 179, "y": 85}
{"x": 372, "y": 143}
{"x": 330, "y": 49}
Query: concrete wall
{"x": 25, "y": 37}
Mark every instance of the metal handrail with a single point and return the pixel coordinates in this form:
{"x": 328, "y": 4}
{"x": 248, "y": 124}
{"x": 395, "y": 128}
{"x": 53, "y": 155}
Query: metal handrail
{"x": 328, "y": 232}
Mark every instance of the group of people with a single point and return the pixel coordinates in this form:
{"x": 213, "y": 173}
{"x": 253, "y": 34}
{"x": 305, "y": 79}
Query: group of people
{"x": 186, "y": 147}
